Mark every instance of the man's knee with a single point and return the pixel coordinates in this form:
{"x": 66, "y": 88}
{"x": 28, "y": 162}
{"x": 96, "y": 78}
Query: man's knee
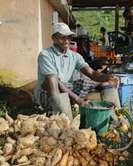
{"x": 51, "y": 78}
{"x": 51, "y": 84}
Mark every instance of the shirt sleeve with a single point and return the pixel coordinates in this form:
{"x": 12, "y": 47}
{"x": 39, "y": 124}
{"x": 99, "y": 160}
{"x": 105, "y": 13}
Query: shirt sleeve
{"x": 80, "y": 62}
{"x": 46, "y": 66}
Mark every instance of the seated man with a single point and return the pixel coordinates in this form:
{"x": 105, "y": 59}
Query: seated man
{"x": 56, "y": 65}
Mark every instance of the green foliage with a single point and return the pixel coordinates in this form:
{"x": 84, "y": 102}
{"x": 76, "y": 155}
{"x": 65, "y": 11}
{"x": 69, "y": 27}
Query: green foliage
{"x": 123, "y": 163}
{"x": 3, "y": 108}
{"x": 93, "y": 20}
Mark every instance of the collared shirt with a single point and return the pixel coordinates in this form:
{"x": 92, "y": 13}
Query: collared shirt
{"x": 51, "y": 61}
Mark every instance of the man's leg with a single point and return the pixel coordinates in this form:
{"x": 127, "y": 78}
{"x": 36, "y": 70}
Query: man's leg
{"x": 83, "y": 86}
{"x": 59, "y": 102}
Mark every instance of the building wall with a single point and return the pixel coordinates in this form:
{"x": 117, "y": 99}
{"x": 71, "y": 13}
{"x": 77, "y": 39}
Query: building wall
{"x": 19, "y": 40}
{"x": 46, "y": 18}
{"x": 47, "y": 22}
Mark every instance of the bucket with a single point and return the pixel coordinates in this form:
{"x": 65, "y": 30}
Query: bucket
{"x": 111, "y": 94}
{"x": 96, "y": 116}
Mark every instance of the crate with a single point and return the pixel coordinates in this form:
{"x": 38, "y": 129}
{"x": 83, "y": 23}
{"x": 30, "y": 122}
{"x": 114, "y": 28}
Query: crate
{"x": 126, "y": 79}
{"x": 125, "y": 93}
{"x": 126, "y": 89}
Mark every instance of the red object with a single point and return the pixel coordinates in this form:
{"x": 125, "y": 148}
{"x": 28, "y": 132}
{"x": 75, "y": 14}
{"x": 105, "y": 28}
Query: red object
{"x": 98, "y": 50}
{"x": 73, "y": 46}
{"x": 112, "y": 55}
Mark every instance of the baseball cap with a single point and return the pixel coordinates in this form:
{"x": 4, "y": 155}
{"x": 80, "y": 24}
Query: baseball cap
{"x": 63, "y": 29}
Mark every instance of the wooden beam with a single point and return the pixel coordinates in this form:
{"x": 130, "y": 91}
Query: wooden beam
{"x": 117, "y": 16}
{"x": 62, "y": 8}
{"x": 97, "y": 3}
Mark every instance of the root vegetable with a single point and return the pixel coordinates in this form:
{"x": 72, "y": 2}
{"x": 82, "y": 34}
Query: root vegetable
{"x": 64, "y": 159}
{"x": 70, "y": 161}
{"x": 76, "y": 162}
{"x": 57, "y": 157}
{"x": 8, "y": 149}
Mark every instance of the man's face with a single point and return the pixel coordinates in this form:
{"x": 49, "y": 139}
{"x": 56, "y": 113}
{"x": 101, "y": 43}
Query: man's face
{"x": 63, "y": 42}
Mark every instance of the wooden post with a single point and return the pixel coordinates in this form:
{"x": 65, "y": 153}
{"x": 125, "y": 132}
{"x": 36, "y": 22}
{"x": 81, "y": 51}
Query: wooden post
{"x": 117, "y": 16}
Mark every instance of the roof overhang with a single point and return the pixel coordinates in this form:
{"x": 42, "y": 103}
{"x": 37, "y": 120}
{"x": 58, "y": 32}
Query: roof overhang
{"x": 98, "y": 4}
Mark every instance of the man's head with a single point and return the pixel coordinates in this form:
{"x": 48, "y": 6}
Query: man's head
{"x": 62, "y": 28}
{"x": 102, "y": 30}
{"x": 127, "y": 13}
{"x": 62, "y": 35}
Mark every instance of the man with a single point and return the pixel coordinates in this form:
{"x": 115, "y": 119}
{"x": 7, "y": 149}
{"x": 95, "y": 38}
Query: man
{"x": 128, "y": 21}
{"x": 104, "y": 39}
{"x": 56, "y": 65}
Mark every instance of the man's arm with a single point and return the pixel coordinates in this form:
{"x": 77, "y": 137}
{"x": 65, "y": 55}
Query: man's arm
{"x": 100, "y": 77}
{"x": 95, "y": 75}
{"x": 75, "y": 98}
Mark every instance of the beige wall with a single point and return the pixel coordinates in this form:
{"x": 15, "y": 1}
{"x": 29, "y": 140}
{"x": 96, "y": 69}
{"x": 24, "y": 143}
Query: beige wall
{"x": 46, "y": 17}
{"x": 19, "y": 40}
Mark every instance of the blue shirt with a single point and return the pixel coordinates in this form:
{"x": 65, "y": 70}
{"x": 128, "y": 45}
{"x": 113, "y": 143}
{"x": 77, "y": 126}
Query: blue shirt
{"x": 51, "y": 61}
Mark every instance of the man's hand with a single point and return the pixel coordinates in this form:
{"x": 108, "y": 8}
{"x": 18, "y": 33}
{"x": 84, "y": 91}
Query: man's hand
{"x": 82, "y": 101}
{"x": 114, "y": 81}
{"x": 74, "y": 98}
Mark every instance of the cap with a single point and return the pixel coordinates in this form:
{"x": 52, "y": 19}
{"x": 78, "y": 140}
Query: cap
{"x": 63, "y": 29}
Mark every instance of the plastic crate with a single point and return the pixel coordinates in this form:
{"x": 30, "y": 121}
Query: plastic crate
{"x": 126, "y": 89}
{"x": 126, "y": 79}
{"x": 125, "y": 93}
